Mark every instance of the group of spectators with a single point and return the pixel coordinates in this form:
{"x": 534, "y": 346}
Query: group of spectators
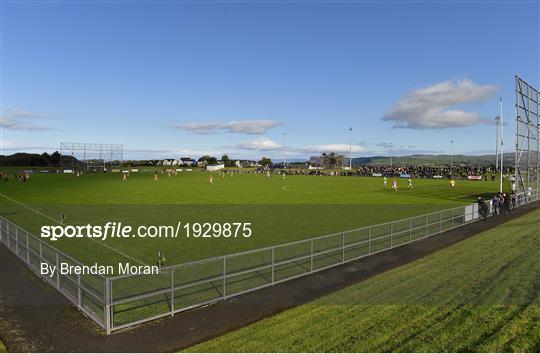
{"x": 415, "y": 171}
{"x": 427, "y": 171}
{"x": 501, "y": 204}
{"x": 22, "y": 177}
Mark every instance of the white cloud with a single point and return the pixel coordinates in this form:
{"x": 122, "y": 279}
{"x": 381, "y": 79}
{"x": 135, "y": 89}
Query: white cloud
{"x": 337, "y": 148}
{"x": 255, "y": 127}
{"x": 266, "y": 144}
{"x": 21, "y": 146}
{"x": 200, "y": 128}
{"x": 19, "y": 119}
{"x": 261, "y": 144}
{"x": 427, "y": 108}
{"x": 385, "y": 145}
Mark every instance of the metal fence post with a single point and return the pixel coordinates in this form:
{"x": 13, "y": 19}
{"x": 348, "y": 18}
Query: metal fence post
{"x": 311, "y": 256}
{"x": 343, "y": 248}
{"x": 391, "y": 234}
{"x": 107, "y": 307}
{"x": 410, "y": 230}
{"x": 224, "y": 268}
{"x": 369, "y": 240}
{"x": 57, "y": 271}
{"x": 27, "y": 250}
{"x": 273, "y": 261}
{"x": 79, "y": 297}
{"x": 16, "y": 241}
{"x": 172, "y": 291}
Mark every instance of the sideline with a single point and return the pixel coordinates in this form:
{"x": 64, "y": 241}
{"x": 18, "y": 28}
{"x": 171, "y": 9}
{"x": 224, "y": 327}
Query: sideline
{"x": 27, "y": 330}
{"x": 59, "y": 223}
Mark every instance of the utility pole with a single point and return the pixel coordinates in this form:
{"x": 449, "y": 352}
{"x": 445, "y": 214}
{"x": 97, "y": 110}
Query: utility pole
{"x": 350, "y": 149}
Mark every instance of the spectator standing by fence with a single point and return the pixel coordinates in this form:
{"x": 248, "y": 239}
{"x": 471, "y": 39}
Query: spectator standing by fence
{"x": 482, "y": 208}
{"x": 495, "y": 203}
{"x": 507, "y": 205}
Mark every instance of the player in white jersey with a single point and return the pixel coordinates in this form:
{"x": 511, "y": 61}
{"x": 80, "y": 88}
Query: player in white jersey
{"x": 385, "y": 181}
{"x": 394, "y": 185}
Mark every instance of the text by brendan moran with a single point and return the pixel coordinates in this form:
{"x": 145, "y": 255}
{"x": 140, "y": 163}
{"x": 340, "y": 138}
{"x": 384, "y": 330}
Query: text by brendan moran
{"x": 63, "y": 268}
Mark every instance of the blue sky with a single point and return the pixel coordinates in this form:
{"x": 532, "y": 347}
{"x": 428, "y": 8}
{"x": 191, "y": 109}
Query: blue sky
{"x": 187, "y": 78}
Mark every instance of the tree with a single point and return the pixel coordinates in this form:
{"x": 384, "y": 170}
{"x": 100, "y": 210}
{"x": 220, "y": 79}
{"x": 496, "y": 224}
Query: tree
{"x": 210, "y": 160}
{"x": 265, "y": 161}
{"x": 226, "y": 160}
{"x": 55, "y": 158}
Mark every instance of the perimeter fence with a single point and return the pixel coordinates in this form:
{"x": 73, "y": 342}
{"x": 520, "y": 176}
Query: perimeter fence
{"x": 123, "y": 301}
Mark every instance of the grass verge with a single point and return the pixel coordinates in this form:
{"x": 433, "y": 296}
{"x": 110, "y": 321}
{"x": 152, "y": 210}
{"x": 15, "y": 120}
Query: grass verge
{"x": 480, "y": 295}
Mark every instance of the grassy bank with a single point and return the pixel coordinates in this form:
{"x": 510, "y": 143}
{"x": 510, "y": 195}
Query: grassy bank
{"x": 480, "y": 295}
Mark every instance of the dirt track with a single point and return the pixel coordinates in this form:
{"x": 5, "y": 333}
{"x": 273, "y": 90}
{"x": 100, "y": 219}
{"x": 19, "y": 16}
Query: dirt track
{"x": 35, "y": 317}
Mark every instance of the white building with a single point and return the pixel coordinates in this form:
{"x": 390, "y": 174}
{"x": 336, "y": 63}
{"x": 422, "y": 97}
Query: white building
{"x": 215, "y": 167}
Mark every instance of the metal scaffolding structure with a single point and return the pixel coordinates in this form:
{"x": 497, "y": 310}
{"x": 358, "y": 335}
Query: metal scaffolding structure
{"x": 95, "y": 157}
{"x": 527, "y": 161}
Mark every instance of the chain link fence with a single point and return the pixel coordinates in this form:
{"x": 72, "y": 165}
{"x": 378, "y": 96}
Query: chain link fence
{"x": 123, "y": 301}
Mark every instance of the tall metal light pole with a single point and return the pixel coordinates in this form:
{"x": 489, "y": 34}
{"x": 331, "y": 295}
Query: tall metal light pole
{"x": 391, "y": 155}
{"x": 497, "y": 122}
{"x": 284, "y": 152}
{"x": 350, "y": 149}
{"x": 451, "y": 154}
{"x": 502, "y": 144}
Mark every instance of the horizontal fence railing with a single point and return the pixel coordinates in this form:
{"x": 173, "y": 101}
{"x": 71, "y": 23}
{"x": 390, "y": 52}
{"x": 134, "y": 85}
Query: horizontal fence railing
{"x": 137, "y": 299}
{"x": 127, "y": 300}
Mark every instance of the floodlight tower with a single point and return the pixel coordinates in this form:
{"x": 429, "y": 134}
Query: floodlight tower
{"x": 350, "y": 149}
{"x": 391, "y": 155}
{"x": 502, "y": 143}
{"x": 497, "y": 123}
{"x": 451, "y": 154}
{"x": 284, "y": 152}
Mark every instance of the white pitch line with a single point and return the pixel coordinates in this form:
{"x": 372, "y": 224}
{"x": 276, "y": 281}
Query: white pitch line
{"x": 59, "y": 223}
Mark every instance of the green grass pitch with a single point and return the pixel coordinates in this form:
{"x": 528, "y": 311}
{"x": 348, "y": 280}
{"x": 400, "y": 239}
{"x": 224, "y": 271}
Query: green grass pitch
{"x": 280, "y": 210}
{"x": 480, "y": 295}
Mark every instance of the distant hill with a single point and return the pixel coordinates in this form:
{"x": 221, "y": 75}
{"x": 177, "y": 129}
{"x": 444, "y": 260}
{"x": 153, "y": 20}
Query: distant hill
{"x": 435, "y": 160}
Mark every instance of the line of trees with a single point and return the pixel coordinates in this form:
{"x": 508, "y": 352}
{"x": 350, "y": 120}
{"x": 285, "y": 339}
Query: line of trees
{"x": 34, "y": 160}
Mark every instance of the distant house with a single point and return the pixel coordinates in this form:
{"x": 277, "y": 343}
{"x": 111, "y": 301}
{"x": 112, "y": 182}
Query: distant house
{"x": 164, "y": 162}
{"x": 170, "y": 162}
{"x": 187, "y": 161}
{"x": 153, "y": 163}
{"x": 246, "y": 163}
